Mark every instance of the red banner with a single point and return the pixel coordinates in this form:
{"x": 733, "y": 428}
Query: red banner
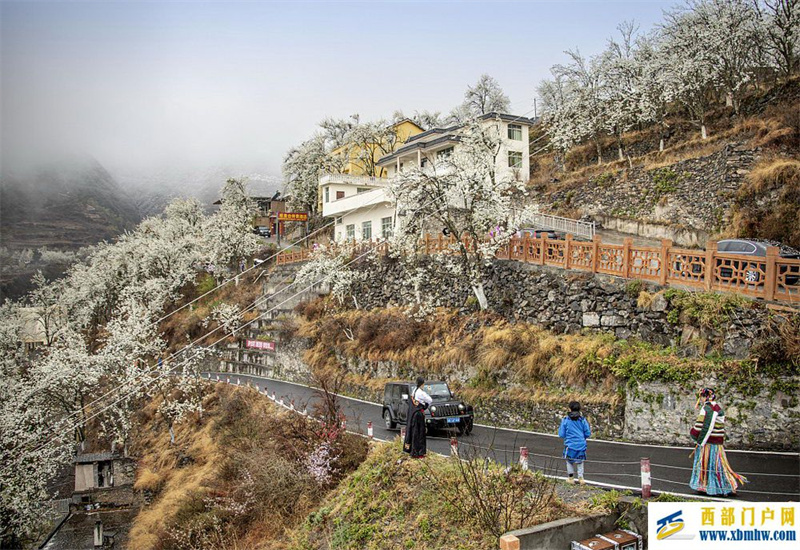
{"x": 293, "y": 216}
{"x": 260, "y": 344}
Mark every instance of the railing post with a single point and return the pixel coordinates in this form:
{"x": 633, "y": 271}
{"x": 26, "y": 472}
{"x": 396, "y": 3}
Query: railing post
{"x": 645, "y": 464}
{"x": 666, "y": 244}
{"x": 567, "y": 246}
{"x": 544, "y": 248}
{"x": 771, "y": 275}
{"x": 427, "y": 244}
{"x": 711, "y": 250}
{"x": 526, "y": 242}
{"x": 626, "y": 257}
{"x": 454, "y": 447}
{"x": 595, "y": 255}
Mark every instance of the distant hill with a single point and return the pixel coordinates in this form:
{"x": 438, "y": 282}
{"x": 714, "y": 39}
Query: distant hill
{"x": 62, "y": 205}
{"x": 154, "y": 190}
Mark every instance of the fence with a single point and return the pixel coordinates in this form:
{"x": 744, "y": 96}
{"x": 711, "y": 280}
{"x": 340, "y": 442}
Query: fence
{"x": 565, "y": 225}
{"x": 772, "y": 278}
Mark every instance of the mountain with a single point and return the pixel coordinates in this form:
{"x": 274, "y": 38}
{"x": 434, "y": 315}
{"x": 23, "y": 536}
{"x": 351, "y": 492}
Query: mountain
{"x": 156, "y": 188}
{"x": 64, "y": 205}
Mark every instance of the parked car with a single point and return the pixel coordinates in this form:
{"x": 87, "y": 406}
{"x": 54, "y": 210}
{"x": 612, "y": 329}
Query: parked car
{"x": 446, "y": 412}
{"x": 534, "y": 233}
{"x": 758, "y": 249}
{"x": 264, "y": 231}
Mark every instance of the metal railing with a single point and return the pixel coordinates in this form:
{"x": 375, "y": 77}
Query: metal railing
{"x": 349, "y": 179}
{"x": 565, "y": 225}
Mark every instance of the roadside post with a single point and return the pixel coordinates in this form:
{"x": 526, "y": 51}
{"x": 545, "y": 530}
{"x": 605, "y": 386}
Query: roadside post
{"x": 523, "y": 458}
{"x": 369, "y": 429}
{"x": 645, "y": 462}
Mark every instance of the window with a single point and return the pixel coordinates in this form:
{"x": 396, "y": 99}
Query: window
{"x": 386, "y": 227}
{"x": 366, "y": 230}
{"x": 515, "y": 159}
{"x": 444, "y": 153}
{"x": 351, "y": 231}
{"x": 327, "y": 194}
{"x": 338, "y": 220}
{"x": 362, "y": 189}
{"x": 424, "y": 162}
{"x": 515, "y": 132}
{"x": 339, "y": 195}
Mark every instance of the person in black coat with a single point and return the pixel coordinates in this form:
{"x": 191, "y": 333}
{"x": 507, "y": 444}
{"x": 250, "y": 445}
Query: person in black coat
{"x": 415, "y": 442}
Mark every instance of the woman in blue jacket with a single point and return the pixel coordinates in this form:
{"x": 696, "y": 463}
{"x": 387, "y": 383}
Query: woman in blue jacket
{"x": 574, "y": 430}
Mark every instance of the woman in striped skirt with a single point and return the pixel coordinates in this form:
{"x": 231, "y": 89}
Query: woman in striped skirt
{"x": 711, "y": 473}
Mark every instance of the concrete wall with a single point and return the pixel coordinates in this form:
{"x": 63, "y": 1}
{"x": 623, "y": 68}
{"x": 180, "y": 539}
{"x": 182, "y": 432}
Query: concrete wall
{"x": 558, "y": 534}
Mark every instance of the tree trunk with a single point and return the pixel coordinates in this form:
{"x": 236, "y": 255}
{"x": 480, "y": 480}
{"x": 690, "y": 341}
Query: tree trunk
{"x": 703, "y": 131}
{"x": 171, "y": 435}
{"x": 599, "y": 153}
{"x": 477, "y": 288}
{"x": 661, "y": 145}
{"x": 619, "y": 150}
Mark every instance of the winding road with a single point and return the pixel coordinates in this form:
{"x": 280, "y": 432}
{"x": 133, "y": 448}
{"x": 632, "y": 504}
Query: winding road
{"x": 772, "y": 476}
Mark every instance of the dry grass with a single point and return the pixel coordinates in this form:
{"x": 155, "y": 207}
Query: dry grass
{"x": 766, "y": 205}
{"x": 158, "y": 471}
{"x": 237, "y": 473}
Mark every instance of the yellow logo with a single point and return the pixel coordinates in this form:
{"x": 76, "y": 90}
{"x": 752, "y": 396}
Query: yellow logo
{"x": 669, "y": 525}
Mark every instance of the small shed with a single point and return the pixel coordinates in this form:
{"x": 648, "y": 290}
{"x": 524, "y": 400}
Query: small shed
{"x": 101, "y": 470}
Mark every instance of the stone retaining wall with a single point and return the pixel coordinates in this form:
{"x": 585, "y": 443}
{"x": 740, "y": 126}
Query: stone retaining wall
{"x": 558, "y": 300}
{"x": 694, "y": 194}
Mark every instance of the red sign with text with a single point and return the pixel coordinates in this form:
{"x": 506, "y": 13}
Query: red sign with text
{"x": 293, "y": 216}
{"x": 259, "y": 344}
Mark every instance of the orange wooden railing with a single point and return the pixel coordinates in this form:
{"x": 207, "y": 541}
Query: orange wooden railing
{"x": 772, "y": 278}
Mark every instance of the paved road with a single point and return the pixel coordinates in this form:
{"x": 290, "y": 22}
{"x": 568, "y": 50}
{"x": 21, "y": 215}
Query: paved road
{"x": 772, "y": 476}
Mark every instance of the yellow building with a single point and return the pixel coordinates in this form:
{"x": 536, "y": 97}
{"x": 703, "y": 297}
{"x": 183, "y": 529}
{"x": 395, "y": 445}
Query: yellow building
{"x": 360, "y": 159}
{"x": 360, "y": 164}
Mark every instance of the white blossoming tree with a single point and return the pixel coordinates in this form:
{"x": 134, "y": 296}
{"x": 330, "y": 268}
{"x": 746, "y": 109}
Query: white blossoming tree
{"x": 465, "y": 194}
{"x": 229, "y": 230}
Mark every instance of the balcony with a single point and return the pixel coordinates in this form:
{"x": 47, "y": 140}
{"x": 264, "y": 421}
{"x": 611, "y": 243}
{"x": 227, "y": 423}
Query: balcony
{"x": 367, "y": 199}
{"x": 347, "y": 179}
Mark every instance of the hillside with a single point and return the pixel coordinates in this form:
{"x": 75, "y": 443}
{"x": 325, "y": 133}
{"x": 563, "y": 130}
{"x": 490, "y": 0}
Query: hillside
{"x": 63, "y": 205}
{"x": 742, "y": 181}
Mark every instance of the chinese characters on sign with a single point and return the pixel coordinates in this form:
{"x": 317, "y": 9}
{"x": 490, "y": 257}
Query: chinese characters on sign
{"x": 293, "y": 216}
{"x": 259, "y": 344}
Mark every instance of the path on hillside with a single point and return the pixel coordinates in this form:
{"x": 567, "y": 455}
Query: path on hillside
{"x": 772, "y": 476}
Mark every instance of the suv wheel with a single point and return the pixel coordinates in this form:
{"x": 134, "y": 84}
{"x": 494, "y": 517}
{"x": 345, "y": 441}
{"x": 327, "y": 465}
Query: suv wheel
{"x": 387, "y": 419}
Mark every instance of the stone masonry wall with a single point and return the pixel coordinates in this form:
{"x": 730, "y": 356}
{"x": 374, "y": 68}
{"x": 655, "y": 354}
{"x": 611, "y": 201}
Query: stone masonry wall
{"x": 559, "y": 300}
{"x": 762, "y": 418}
{"x": 695, "y": 194}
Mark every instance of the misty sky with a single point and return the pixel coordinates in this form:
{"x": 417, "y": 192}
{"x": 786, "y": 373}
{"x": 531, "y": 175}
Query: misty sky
{"x": 148, "y": 84}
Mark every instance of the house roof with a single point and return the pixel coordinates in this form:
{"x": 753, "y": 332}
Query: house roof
{"x": 94, "y": 457}
{"x": 418, "y": 141}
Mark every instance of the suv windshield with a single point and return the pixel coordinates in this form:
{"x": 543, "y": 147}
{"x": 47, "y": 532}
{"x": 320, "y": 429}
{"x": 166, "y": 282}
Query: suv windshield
{"x": 438, "y": 389}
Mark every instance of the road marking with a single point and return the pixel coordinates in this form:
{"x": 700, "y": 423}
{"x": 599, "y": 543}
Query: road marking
{"x": 779, "y": 453}
{"x": 600, "y": 484}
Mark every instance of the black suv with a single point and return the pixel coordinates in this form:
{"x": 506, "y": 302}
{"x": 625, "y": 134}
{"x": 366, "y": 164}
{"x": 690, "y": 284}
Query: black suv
{"x": 446, "y": 411}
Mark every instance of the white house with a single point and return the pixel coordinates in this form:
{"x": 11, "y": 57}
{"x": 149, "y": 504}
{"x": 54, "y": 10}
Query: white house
{"x": 363, "y": 206}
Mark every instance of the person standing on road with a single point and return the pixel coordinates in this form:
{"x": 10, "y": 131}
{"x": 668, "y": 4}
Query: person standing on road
{"x": 574, "y": 430}
{"x": 711, "y": 473}
{"x": 415, "y": 442}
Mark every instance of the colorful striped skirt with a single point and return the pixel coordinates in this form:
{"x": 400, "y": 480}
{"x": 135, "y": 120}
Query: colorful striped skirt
{"x": 712, "y": 474}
